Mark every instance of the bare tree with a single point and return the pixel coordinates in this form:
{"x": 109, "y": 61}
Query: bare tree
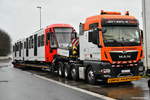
{"x": 5, "y": 43}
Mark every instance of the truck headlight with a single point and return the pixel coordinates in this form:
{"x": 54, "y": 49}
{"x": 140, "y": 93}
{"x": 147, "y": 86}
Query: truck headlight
{"x": 141, "y": 68}
{"x": 105, "y": 71}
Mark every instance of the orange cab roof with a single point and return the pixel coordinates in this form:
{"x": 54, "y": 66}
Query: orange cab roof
{"x": 98, "y": 18}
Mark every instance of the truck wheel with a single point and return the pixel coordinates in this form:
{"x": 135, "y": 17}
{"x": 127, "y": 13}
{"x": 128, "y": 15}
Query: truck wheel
{"x": 90, "y": 76}
{"x": 67, "y": 71}
{"x": 74, "y": 73}
{"x": 60, "y": 69}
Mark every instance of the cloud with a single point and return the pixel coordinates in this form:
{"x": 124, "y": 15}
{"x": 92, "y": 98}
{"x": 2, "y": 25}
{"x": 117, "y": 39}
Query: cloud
{"x": 20, "y": 18}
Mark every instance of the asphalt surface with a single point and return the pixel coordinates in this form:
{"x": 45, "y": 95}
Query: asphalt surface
{"x": 136, "y": 90}
{"x": 24, "y": 85}
{"x": 16, "y": 84}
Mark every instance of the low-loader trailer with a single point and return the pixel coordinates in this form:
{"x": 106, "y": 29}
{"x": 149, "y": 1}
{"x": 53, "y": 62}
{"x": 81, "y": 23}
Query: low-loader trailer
{"x": 108, "y": 48}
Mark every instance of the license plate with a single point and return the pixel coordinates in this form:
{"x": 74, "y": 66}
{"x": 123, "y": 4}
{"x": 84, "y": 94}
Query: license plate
{"x": 123, "y": 79}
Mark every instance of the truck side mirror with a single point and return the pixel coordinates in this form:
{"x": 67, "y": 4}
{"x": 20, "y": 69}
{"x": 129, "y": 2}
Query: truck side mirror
{"x": 104, "y": 30}
{"x": 100, "y": 46}
{"x": 81, "y": 31}
{"x": 74, "y": 35}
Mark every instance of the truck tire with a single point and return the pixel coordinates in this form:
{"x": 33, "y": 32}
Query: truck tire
{"x": 60, "y": 69}
{"x": 67, "y": 70}
{"x": 91, "y": 79}
{"x": 75, "y": 73}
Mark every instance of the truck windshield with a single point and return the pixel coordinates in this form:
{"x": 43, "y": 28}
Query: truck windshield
{"x": 121, "y": 36}
{"x": 63, "y": 36}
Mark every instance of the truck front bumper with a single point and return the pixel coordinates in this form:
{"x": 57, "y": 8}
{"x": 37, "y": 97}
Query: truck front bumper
{"x": 123, "y": 79}
{"x": 124, "y": 73}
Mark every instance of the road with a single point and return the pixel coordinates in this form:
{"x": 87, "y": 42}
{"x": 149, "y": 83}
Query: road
{"x": 34, "y": 84}
{"x": 16, "y": 84}
{"x": 137, "y": 90}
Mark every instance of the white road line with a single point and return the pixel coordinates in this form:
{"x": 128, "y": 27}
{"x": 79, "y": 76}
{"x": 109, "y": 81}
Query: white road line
{"x": 75, "y": 88}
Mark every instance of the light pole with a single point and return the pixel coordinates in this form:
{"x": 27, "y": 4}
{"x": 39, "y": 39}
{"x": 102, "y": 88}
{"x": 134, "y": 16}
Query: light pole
{"x": 145, "y": 31}
{"x": 39, "y": 7}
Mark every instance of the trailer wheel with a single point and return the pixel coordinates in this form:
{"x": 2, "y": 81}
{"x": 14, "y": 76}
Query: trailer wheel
{"x": 51, "y": 68}
{"x": 74, "y": 73}
{"x": 91, "y": 76}
{"x": 60, "y": 69}
{"x": 67, "y": 71}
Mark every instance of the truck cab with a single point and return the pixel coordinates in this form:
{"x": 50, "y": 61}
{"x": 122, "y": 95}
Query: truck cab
{"x": 111, "y": 45}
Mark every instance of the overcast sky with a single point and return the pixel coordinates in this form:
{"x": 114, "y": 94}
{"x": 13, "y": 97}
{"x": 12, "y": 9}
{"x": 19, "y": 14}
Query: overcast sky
{"x": 20, "y": 18}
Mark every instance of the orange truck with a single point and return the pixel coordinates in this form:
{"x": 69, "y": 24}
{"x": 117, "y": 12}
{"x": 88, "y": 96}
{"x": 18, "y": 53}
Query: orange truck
{"x": 109, "y": 49}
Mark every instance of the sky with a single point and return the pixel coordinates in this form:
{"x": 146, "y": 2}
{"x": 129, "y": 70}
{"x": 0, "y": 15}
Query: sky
{"x": 20, "y": 18}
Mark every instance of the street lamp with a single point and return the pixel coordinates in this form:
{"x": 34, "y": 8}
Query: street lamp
{"x": 39, "y": 7}
{"x": 145, "y": 31}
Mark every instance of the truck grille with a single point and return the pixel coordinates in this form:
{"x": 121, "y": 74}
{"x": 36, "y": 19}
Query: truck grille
{"x": 124, "y": 55}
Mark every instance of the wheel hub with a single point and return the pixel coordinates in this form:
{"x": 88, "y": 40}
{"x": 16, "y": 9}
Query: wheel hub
{"x": 66, "y": 74}
{"x": 60, "y": 71}
{"x": 91, "y": 75}
{"x": 73, "y": 72}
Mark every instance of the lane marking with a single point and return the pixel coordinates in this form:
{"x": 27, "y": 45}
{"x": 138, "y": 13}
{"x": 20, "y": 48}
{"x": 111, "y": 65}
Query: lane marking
{"x": 75, "y": 88}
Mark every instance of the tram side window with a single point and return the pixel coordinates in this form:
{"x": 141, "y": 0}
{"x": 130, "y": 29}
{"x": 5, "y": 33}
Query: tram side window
{"x": 53, "y": 42}
{"x": 42, "y": 40}
{"x": 15, "y": 49}
{"x": 29, "y": 43}
{"x": 24, "y": 45}
{"x": 38, "y": 41}
{"x": 21, "y": 45}
{"x": 17, "y": 46}
{"x": 32, "y": 42}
